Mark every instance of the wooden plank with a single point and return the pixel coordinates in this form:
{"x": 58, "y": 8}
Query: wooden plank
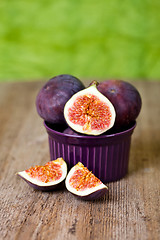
{"x": 129, "y": 211}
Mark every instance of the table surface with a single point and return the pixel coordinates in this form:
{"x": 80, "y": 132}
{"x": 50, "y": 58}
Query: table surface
{"x": 130, "y": 210}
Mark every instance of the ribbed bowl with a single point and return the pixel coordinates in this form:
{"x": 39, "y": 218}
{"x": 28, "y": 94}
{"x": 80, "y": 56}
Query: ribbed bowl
{"x": 107, "y": 156}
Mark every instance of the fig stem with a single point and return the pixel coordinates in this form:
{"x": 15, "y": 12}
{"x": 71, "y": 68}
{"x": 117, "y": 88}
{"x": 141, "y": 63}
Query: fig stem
{"x": 93, "y": 83}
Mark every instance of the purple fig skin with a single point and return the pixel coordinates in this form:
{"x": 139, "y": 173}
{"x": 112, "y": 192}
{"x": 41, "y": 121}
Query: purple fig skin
{"x": 54, "y": 94}
{"x": 126, "y": 100}
{"x": 93, "y": 196}
{"x": 45, "y": 188}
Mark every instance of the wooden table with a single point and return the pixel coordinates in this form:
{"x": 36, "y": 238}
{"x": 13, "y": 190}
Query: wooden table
{"x": 131, "y": 209}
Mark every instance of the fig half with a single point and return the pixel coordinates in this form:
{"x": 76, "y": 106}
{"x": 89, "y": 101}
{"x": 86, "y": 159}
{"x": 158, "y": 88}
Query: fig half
{"x": 84, "y": 184}
{"x": 47, "y": 177}
{"x": 89, "y": 111}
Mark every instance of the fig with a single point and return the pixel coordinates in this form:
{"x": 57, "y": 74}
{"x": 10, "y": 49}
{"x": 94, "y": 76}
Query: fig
{"x": 84, "y": 184}
{"x": 126, "y": 100}
{"x": 89, "y": 111}
{"x": 54, "y": 94}
{"x": 47, "y": 177}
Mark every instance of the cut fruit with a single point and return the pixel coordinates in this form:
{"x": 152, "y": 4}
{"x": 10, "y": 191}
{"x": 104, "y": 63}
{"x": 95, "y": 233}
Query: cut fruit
{"x": 47, "y": 177}
{"x": 83, "y": 183}
{"x": 89, "y": 111}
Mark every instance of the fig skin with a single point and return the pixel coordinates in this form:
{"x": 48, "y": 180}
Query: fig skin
{"x": 44, "y": 188}
{"x": 54, "y": 94}
{"x": 126, "y": 100}
{"x": 93, "y": 196}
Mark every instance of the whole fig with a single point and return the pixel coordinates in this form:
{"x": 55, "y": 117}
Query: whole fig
{"x": 54, "y": 94}
{"x": 125, "y": 98}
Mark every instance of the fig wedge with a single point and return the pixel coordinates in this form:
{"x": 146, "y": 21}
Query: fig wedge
{"x": 84, "y": 184}
{"x": 47, "y": 177}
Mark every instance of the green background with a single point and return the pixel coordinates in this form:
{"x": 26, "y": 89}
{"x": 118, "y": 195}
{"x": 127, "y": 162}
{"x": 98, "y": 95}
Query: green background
{"x": 86, "y": 38}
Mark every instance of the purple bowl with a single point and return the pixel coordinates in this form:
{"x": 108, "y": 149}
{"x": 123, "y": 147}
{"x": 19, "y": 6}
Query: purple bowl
{"x": 107, "y": 156}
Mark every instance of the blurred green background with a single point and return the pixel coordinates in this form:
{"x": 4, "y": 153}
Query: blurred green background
{"x": 86, "y": 38}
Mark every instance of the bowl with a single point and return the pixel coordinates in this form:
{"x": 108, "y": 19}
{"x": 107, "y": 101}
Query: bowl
{"x": 107, "y": 156}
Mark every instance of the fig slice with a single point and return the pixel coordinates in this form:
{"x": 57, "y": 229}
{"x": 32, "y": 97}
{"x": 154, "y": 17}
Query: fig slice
{"x": 84, "y": 184}
{"x": 89, "y": 111}
{"x": 47, "y": 177}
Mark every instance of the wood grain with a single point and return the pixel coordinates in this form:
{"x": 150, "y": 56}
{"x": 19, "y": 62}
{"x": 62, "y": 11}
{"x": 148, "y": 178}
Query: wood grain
{"x": 129, "y": 211}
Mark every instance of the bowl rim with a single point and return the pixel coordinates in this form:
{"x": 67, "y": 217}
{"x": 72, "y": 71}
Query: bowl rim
{"x": 130, "y": 129}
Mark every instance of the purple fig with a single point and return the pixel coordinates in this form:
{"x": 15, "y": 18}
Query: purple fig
{"x": 126, "y": 100}
{"x": 54, "y": 94}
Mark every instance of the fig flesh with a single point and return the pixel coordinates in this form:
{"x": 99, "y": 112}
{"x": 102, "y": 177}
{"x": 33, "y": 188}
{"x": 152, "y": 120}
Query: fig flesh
{"x": 89, "y": 112}
{"x": 47, "y": 177}
{"x": 126, "y": 100}
{"x": 84, "y": 184}
{"x": 54, "y": 94}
